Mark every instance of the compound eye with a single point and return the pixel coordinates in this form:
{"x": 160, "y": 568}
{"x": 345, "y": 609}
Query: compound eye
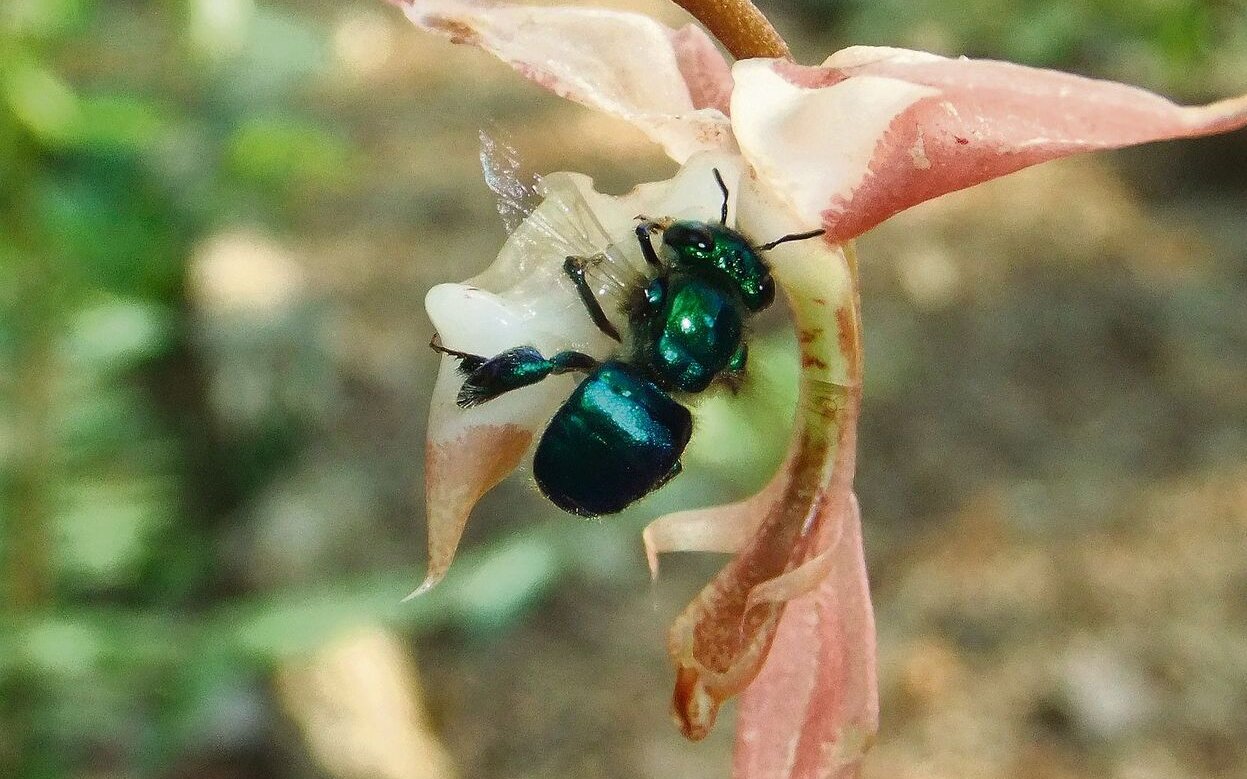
{"x": 766, "y": 292}
{"x": 689, "y": 235}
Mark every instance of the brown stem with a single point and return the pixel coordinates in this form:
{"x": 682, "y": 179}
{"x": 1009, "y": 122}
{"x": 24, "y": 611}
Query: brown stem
{"x": 739, "y": 26}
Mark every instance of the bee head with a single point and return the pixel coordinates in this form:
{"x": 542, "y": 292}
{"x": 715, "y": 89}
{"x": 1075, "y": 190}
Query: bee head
{"x": 719, "y": 252}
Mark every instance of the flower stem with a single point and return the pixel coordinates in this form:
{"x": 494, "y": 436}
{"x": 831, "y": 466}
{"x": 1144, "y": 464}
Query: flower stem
{"x": 739, "y": 26}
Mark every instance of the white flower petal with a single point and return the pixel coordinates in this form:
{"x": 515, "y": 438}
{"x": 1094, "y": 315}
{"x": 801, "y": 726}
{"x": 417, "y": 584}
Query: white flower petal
{"x": 875, "y": 131}
{"x": 813, "y": 147}
{"x": 470, "y": 450}
{"x": 670, "y": 84}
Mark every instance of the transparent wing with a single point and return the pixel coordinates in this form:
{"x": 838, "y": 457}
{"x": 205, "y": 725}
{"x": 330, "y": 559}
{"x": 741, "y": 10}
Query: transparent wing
{"x": 518, "y": 196}
{"x": 558, "y": 217}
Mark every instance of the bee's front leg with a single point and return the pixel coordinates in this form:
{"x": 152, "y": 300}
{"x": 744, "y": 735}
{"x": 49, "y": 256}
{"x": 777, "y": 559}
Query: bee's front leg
{"x": 644, "y": 232}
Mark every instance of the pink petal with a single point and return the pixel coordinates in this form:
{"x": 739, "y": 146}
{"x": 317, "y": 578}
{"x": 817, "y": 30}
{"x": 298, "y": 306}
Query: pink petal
{"x": 457, "y": 472}
{"x": 874, "y": 131}
{"x": 671, "y": 85}
{"x": 813, "y": 710}
{"x": 707, "y": 74}
{"x": 722, "y": 639}
{"x": 726, "y": 528}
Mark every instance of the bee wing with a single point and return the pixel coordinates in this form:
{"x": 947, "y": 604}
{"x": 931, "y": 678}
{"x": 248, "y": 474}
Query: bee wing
{"x": 567, "y": 219}
{"x": 557, "y": 220}
{"x": 518, "y": 194}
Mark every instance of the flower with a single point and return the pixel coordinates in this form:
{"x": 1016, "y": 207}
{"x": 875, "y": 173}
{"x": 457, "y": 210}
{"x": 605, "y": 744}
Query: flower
{"x": 841, "y": 146}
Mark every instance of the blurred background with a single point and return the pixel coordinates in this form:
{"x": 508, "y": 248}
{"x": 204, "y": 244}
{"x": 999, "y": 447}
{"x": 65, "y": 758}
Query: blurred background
{"x": 218, "y": 220}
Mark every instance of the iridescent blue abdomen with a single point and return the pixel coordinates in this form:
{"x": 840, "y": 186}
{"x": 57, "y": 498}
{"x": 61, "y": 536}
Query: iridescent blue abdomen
{"x": 616, "y": 439}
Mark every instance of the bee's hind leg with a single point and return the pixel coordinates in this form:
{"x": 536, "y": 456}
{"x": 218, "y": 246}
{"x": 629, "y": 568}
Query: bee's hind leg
{"x": 510, "y": 370}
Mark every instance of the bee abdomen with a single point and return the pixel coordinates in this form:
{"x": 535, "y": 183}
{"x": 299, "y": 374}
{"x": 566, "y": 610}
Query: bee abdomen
{"x": 616, "y": 439}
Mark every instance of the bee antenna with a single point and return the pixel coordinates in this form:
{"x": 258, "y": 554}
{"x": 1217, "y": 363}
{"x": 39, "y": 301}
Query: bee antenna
{"x": 789, "y": 238}
{"x": 718, "y": 177}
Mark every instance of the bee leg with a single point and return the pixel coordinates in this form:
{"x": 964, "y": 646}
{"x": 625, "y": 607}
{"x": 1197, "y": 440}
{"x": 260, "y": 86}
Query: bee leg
{"x": 467, "y": 362}
{"x": 643, "y": 232}
{"x": 675, "y": 471}
{"x": 734, "y": 375}
{"x": 574, "y": 267}
{"x": 515, "y": 368}
{"x": 718, "y": 177}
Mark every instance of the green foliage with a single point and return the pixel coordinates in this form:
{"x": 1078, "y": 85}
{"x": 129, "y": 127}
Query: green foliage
{"x": 112, "y": 172}
{"x": 273, "y": 152}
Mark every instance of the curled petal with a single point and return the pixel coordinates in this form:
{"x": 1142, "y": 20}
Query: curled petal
{"x": 813, "y": 710}
{"x": 809, "y": 574}
{"x": 874, "y": 131}
{"x": 470, "y": 450}
{"x": 707, "y": 74}
{"x": 671, "y": 85}
{"x": 716, "y": 529}
{"x": 721, "y": 640}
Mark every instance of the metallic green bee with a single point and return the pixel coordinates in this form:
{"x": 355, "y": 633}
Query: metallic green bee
{"x": 621, "y": 433}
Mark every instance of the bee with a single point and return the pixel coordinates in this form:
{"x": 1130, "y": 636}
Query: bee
{"x": 621, "y": 433}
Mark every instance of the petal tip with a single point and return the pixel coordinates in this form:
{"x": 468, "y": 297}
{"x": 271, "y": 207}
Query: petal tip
{"x": 692, "y": 706}
{"x": 431, "y": 580}
{"x": 651, "y": 554}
